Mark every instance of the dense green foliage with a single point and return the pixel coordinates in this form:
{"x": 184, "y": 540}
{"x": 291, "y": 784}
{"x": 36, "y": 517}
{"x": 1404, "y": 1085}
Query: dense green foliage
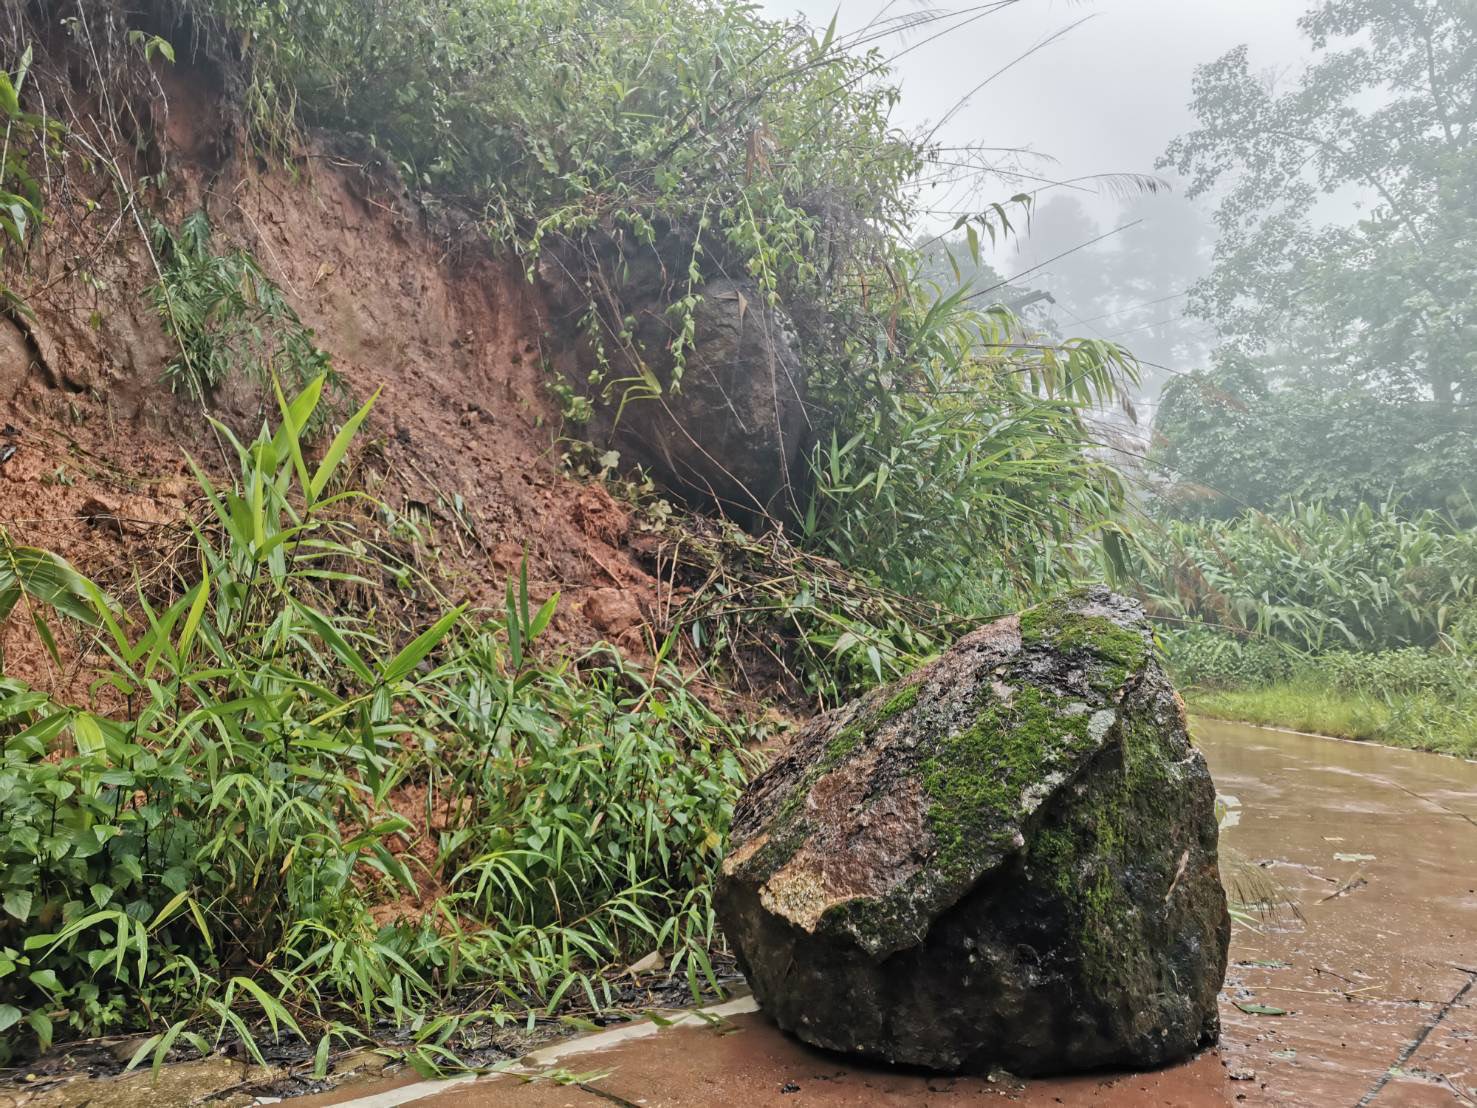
{"x": 1214, "y": 660}
{"x": 1316, "y": 578}
{"x": 1384, "y": 109}
{"x": 1359, "y": 623}
{"x": 968, "y": 477}
{"x": 211, "y": 849}
{"x": 1409, "y": 697}
{"x": 553, "y": 115}
{"x": 1233, "y": 443}
{"x": 1347, "y": 368}
{"x": 27, "y": 134}
{"x": 761, "y": 148}
{"x": 1324, "y": 572}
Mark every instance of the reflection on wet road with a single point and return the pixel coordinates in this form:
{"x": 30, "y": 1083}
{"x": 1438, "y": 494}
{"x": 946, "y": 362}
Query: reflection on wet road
{"x": 1377, "y": 848}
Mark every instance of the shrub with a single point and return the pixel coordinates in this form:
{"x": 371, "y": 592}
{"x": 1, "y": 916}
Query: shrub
{"x": 1218, "y": 661}
{"x": 1451, "y": 676}
{"x": 965, "y": 473}
{"x": 27, "y": 136}
{"x": 207, "y": 854}
{"x": 228, "y": 318}
{"x": 1315, "y": 577}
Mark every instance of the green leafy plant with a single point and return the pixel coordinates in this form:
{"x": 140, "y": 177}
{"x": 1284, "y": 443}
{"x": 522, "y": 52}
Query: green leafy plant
{"x": 26, "y": 135}
{"x": 965, "y": 471}
{"x": 1318, "y": 578}
{"x": 229, "y": 318}
{"x": 204, "y": 860}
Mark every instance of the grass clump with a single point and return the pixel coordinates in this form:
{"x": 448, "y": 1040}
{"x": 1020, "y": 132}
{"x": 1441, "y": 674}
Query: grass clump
{"x": 1415, "y": 721}
{"x": 286, "y": 823}
{"x": 1420, "y": 699}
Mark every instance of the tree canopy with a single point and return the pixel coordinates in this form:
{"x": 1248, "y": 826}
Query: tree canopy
{"x": 1386, "y": 119}
{"x": 1372, "y": 316}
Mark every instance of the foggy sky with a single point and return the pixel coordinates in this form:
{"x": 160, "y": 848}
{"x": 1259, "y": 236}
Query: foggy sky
{"x": 1106, "y": 97}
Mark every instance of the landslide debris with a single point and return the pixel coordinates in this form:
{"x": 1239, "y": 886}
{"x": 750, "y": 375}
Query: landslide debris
{"x": 1006, "y": 860}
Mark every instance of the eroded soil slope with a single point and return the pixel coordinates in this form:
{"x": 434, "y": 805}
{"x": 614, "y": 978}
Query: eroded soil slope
{"x": 462, "y": 446}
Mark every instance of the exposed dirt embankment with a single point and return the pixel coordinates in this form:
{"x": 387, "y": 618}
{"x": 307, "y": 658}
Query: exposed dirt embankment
{"x": 461, "y": 446}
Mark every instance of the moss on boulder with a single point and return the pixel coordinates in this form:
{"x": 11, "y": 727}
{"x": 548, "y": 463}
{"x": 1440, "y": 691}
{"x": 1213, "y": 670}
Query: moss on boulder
{"x": 1007, "y": 859}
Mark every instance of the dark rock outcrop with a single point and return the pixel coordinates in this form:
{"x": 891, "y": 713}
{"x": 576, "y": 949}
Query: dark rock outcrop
{"x": 733, "y": 434}
{"x": 1008, "y": 859}
{"x": 730, "y": 431}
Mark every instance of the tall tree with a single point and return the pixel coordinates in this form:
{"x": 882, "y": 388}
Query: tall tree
{"x": 1385, "y": 118}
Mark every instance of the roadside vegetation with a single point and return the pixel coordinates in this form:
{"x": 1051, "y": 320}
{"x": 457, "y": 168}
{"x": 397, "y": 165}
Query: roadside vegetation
{"x": 1312, "y": 553}
{"x": 282, "y": 811}
{"x": 213, "y": 849}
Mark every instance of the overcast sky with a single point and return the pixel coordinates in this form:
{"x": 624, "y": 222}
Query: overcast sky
{"x": 1104, "y": 98}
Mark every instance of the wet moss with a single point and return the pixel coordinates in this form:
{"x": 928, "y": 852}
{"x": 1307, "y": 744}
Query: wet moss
{"x": 975, "y": 779}
{"x": 1079, "y": 860}
{"x": 898, "y": 704}
{"x": 1086, "y": 857}
{"x": 845, "y": 741}
{"x": 1119, "y": 651}
{"x": 1055, "y": 853}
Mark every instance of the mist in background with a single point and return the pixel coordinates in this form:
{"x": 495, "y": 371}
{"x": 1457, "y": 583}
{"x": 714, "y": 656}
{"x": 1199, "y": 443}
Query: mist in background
{"x": 1071, "y": 92}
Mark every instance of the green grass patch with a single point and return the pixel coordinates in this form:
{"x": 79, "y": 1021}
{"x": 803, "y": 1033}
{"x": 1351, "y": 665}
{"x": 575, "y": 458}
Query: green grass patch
{"x": 1417, "y": 721}
{"x": 297, "y": 820}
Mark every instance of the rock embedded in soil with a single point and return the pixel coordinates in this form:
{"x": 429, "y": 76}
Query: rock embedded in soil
{"x": 1006, "y": 860}
{"x": 729, "y": 432}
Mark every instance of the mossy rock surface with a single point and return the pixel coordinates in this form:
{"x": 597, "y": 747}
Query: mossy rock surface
{"x": 1008, "y": 859}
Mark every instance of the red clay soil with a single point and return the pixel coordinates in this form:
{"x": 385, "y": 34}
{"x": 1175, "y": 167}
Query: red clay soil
{"x": 463, "y": 436}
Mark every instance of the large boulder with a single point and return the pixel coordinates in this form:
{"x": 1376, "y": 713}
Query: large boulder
{"x": 1006, "y": 860}
{"x": 733, "y": 435}
{"x": 731, "y": 431}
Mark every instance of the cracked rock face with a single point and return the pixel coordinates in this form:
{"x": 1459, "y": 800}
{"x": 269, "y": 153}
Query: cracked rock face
{"x": 1006, "y": 860}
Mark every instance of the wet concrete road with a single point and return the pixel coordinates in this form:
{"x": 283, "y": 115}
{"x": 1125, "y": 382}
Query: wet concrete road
{"x": 1378, "y": 849}
{"x": 1371, "y": 960}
